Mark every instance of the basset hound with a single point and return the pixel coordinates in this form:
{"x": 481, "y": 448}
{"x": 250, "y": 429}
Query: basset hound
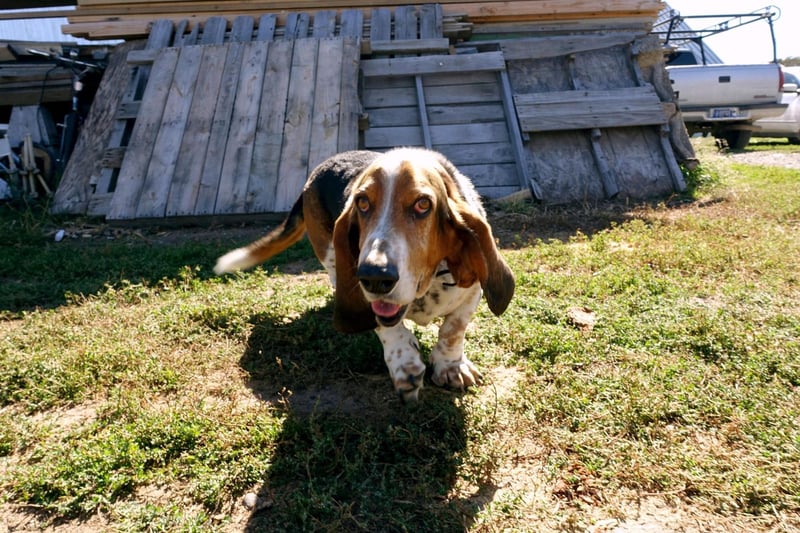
{"x": 403, "y": 235}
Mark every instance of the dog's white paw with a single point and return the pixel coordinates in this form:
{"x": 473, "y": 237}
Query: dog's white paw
{"x": 456, "y": 374}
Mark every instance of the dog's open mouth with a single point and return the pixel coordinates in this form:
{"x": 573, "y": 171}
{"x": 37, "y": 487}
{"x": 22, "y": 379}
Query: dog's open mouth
{"x": 388, "y": 314}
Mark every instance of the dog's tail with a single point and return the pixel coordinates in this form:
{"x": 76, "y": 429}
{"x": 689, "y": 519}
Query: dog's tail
{"x": 286, "y": 234}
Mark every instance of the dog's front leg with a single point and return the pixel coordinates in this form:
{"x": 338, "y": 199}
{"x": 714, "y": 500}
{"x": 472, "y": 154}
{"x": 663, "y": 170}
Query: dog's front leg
{"x": 451, "y": 368}
{"x": 401, "y": 353}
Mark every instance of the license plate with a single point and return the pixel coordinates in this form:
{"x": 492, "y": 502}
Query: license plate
{"x": 724, "y": 112}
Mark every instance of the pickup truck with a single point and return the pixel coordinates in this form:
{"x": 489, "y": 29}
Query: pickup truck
{"x": 788, "y": 124}
{"x": 725, "y": 100}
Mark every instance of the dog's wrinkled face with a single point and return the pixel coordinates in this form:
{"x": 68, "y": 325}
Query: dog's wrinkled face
{"x": 400, "y": 206}
{"x": 408, "y": 212}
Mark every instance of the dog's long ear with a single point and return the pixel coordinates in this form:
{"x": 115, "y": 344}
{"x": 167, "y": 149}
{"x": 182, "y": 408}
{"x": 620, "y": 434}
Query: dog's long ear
{"x": 473, "y": 255}
{"x": 351, "y": 312}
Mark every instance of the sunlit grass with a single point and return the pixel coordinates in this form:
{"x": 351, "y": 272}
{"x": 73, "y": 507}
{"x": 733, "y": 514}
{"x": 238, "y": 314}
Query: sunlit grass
{"x": 141, "y": 391}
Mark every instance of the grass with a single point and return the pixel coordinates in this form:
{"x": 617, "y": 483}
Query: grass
{"x": 138, "y": 392}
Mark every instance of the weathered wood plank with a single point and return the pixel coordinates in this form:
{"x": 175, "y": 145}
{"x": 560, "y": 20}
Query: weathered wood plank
{"x": 455, "y": 26}
{"x": 437, "y": 95}
{"x": 269, "y": 130}
{"x": 409, "y": 46}
{"x": 422, "y": 109}
{"x": 606, "y": 175}
{"x": 142, "y": 57}
{"x": 410, "y": 66}
{"x": 350, "y": 106}
{"x": 467, "y": 154}
{"x": 325, "y": 119}
{"x": 444, "y": 134}
{"x": 570, "y": 110}
{"x": 140, "y": 148}
{"x": 439, "y": 114}
{"x": 297, "y": 127}
{"x": 296, "y": 26}
{"x": 405, "y": 23}
{"x": 324, "y": 24}
{"x": 526, "y": 179}
{"x": 352, "y": 23}
{"x": 559, "y": 45}
{"x": 185, "y": 39}
{"x": 430, "y": 21}
{"x": 192, "y": 154}
{"x": 380, "y": 25}
{"x": 266, "y": 27}
{"x": 164, "y": 157}
{"x": 220, "y": 126}
{"x": 393, "y": 116}
{"x": 214, "y": 30}
{"x": 491, "y": 174}
{"x": 242, "y": 29}
{"x": 232, "y": 195}
{"x": 431, "y": 80}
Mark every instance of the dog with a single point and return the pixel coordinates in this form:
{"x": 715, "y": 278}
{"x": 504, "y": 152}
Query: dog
{"x": 403, "y": 235}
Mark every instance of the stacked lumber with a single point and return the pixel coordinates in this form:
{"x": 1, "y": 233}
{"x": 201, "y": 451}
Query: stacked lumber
{"x": 107, "y": 19}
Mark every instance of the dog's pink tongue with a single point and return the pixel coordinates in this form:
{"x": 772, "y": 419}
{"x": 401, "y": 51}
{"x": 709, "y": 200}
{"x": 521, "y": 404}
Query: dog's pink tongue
{"x": 385, "y": 309}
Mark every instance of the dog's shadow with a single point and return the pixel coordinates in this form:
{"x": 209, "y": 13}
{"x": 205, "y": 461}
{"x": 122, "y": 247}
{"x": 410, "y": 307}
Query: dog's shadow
{"x": 350, "y": 456}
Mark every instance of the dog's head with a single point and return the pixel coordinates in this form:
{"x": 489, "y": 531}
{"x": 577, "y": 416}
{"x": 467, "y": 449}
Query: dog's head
{"x": 405, "y": 213}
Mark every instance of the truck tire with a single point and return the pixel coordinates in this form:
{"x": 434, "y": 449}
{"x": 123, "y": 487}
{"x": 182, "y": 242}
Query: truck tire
{"x": 737, "y": 139}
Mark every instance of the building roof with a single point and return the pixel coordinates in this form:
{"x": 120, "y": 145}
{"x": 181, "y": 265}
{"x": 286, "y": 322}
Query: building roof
{"x": 46, "y": 29}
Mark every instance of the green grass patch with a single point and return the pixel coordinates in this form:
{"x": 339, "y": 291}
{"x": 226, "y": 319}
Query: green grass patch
{"x": 140, "y": 392}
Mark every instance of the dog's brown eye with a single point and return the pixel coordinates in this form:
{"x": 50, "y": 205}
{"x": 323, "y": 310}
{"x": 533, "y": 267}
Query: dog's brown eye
{"x": 362, "y": 203}
{"x": 423, "y": 205}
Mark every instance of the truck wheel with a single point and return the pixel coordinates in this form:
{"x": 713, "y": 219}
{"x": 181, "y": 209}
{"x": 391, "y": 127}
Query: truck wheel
{"x": 737, "y": 139}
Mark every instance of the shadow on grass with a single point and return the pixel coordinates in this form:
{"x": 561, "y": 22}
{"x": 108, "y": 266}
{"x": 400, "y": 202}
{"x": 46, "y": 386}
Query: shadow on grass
{"x": 38, "y": 273}
{"x": 350, "y": 456}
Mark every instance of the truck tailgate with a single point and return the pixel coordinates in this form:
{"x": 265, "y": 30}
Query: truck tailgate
{"x": 725, "y": 85}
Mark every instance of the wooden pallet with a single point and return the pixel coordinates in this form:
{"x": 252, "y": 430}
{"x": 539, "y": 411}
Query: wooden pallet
{"x": 454, "y": 104}
{"x": 234, "y": 128}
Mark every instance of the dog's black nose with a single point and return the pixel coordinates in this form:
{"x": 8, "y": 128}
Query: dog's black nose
{"x": 377, "y": 279}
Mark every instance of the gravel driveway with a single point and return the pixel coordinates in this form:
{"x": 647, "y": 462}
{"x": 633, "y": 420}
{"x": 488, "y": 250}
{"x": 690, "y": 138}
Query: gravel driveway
{"x": 772, "y": 159}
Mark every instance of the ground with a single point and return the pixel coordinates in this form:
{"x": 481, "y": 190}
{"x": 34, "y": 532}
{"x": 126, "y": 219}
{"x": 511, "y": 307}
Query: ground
{"x": 644, "y": 512}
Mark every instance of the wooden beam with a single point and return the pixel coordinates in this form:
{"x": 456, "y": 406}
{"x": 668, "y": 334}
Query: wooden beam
{"x": 587, "y": 109}
{"x": 559, "y": 45}
{"x": 411, "y": 66}
{"x": 407, "y": 46}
